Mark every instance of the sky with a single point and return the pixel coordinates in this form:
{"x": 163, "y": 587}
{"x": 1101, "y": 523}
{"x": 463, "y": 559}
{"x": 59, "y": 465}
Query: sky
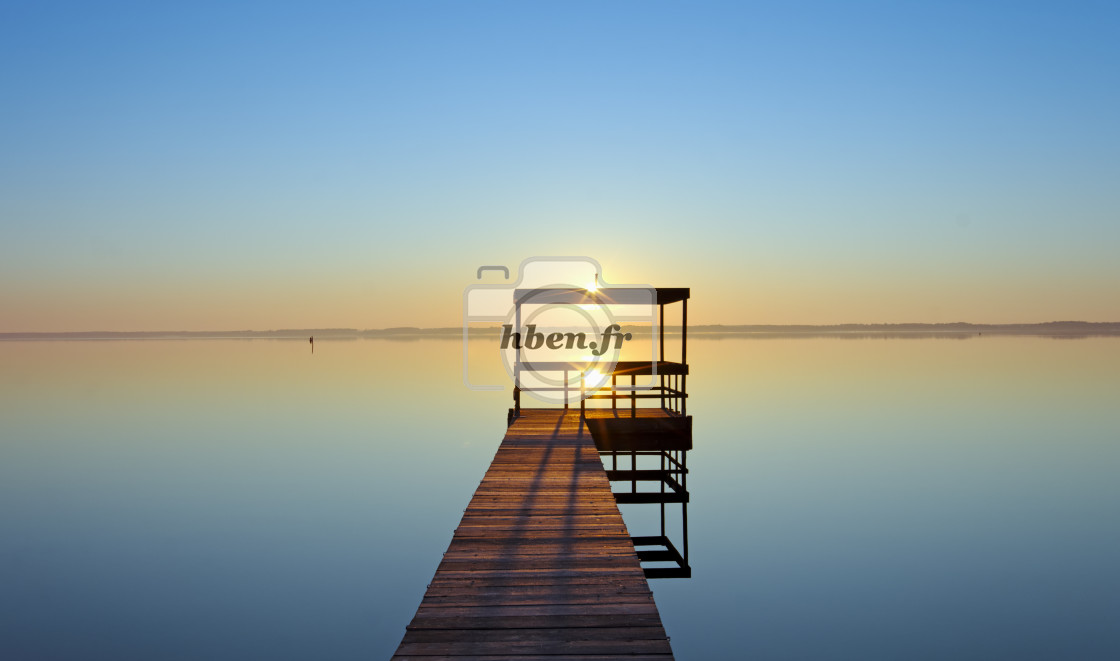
{"x": 263, "y": 165}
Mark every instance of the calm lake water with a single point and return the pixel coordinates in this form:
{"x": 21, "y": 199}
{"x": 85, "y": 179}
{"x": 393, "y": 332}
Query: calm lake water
{"x": 851, "y": 498}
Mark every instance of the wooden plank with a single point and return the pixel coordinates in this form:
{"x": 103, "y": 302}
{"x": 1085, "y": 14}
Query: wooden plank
{"x": 541, "y": 563}
{"x": 519, "y": 648}
{"x": 550, "y": 544}
{"x": 471, "y": 588}
{"x": 602, "y": 614}
{"x": 548, "y": 550}
{"x": 554, "y": 634}
{"x": 551, "y": 597}
{"x": 620, "y": 585}
{"x": 538, "y": 657}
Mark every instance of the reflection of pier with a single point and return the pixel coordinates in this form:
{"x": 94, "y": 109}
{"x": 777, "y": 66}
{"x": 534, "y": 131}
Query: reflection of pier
{"x": 542, "y": 562}
{"x": 657, "y": 448}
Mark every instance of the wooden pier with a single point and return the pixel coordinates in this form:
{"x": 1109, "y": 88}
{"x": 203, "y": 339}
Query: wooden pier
{"x": 541, "y": 565}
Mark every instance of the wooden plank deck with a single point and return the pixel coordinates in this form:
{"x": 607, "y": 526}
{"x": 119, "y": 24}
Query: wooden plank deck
{"x": 541, "y": 564}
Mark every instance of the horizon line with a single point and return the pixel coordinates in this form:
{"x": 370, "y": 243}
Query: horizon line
{"x": 1111, "y": 327}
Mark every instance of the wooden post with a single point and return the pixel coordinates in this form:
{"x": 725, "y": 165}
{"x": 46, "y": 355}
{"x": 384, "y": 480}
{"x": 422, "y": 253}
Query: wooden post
{"x": 684, "y": 355}
{"x": 565, "y": 388}
{"x": 661, "y": 356}
{"x": 582, "y": 394}
{"x": 634, "y": 471}
{"x": 661, "y": 332}
{"x": 684, "y": 506}
{"x": 663, "y": 475}
{"x": 684, "y": 332}
{"x": 517, "y": 359}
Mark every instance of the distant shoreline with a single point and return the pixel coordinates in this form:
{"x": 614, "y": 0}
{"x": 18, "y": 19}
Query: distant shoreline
{"x": 1051, "y": 328}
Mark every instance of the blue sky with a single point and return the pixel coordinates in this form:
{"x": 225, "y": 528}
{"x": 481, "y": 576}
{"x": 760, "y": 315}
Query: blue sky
{"x": 263, "y": 165}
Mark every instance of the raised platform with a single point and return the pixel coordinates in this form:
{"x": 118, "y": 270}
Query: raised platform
{"x": 541, "y": 564}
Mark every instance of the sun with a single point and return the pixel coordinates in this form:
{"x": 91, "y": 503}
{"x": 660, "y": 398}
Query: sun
{"x": 594, "y": 379}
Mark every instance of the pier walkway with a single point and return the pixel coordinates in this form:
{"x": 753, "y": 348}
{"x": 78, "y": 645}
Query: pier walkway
{"x": 541, "y": 564}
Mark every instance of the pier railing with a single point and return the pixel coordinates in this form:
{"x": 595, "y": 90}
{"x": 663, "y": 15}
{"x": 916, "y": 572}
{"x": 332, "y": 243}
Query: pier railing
{"x": 668, "y": 389}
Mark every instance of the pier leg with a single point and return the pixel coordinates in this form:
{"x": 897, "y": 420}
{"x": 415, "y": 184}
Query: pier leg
{"x": 565, "y": 388}
{"x": 662, "y": 456}
{"x": 582, "y": 395}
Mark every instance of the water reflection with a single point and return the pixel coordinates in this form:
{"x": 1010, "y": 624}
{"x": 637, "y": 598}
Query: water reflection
{"x": 228, "y": 499}
{"x": 902, "y": 499}
{"x": 231, "y": 499}
{"x": 652, "y": 445}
